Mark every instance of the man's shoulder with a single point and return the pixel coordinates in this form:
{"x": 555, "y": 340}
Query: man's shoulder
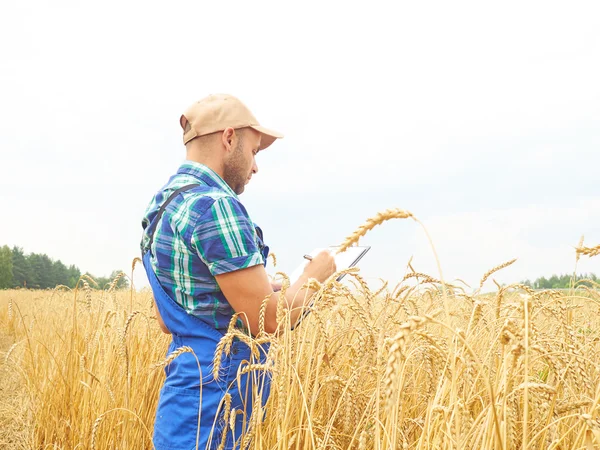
{"x": 203, "y": 203}
{"x": 197, "y": 191}
{"x": 204, "y": 197}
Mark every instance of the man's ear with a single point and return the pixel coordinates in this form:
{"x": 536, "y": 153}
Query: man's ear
{"x": 227, "y": 138}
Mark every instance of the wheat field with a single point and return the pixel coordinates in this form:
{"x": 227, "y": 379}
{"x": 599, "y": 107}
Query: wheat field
{"x": 420, "y": 365}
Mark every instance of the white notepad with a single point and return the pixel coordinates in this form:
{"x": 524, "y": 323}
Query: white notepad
{"x": 344, "y": 260}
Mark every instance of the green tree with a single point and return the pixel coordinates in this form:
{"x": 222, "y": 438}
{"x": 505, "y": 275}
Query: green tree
{"x": 564, "y": 281}
{"x": 554, "y": 282}
{"x": 103, "y": 282}
{"x": 541, "y": 283}
{"x": 21, "y": 268}
{"x": 39, "y": 271}
{"x": 47, "y": 275}
{"x": 35, "y": 269}
{"x": 73, "y": 274}
{"x": 60, "y": 273}
{"x": 6, "y": 267}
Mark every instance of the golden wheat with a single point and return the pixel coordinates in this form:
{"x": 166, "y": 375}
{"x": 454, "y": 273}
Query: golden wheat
{"x": 415, "y": 368}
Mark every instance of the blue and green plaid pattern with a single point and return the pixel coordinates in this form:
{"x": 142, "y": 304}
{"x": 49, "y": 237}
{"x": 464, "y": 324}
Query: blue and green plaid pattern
{"x": 204, "y": 231}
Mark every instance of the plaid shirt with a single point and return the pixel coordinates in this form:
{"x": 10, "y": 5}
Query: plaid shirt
{"x": 204, "y": 232}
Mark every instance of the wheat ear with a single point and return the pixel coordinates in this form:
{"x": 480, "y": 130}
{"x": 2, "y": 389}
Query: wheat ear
{"x": 134, "y": 262}
{"x": 371, "y": 223}
{"x": 396, "y": 356}
{"x": 97, "y": 423}
{"x": 588, "y": 251}
{"x": 580, "y": 245}
{"x": 129, "y": 320}
{"x": 494, "y": 270}
{"x": 9, "y": 352}
{"x": 173, "y": 355}
{"x": 114, "y": 282}
{"x": 85, "y": 276}
{"x": 227, "y": 411}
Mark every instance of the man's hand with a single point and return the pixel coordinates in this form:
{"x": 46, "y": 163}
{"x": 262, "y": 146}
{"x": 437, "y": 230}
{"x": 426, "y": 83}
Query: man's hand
{"x": 247, "y": 289}
{"x": 321, "y": 267}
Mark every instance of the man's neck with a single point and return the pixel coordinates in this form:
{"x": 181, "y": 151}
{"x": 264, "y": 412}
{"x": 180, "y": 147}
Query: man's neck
{"x": 209, "y": 162}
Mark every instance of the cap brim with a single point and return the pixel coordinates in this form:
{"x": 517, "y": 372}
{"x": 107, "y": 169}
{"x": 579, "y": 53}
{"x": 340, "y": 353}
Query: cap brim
{"x": 268, "y": 136}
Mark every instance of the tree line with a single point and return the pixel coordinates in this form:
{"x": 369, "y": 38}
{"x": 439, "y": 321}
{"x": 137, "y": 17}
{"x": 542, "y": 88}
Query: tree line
{"x": 562, "y": 281}
{"x": 39, "y": 271}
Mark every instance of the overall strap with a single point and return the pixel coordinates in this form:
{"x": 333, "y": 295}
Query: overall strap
{"x": 156, "y": 221}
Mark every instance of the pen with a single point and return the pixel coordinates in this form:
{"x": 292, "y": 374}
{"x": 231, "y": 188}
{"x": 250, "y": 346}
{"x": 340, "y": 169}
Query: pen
{"x": 308, "y": 257}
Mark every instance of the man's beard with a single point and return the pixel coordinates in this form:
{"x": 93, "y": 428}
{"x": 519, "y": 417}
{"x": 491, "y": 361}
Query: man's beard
{"x": 234, "y": 171}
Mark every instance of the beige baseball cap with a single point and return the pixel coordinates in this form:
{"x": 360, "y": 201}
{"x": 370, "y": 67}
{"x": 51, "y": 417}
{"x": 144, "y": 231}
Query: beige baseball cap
{"x": 218, "y": 112}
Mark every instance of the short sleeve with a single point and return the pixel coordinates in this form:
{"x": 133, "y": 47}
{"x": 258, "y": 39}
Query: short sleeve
{"x": 225, "y": 238}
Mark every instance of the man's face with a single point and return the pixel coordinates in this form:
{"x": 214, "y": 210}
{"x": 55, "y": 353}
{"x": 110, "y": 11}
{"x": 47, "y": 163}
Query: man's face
{"x": 241, "y": 164}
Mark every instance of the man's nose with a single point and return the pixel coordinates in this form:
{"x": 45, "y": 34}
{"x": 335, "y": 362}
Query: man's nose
{"x": 254, "y": 167}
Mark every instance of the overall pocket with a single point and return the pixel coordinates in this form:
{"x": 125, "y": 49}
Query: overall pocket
{"x": 177, "y": 419}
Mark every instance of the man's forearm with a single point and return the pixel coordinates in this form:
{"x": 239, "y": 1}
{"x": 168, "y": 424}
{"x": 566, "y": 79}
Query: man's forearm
{"x": 296, "y": 297}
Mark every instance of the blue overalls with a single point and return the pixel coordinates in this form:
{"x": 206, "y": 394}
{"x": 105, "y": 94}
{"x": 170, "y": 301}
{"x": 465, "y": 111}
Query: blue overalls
{"x": 191, "y": 410}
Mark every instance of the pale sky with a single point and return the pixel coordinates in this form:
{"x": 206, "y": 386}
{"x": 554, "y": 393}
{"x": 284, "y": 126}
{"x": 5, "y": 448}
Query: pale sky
{"x": 482, "y": 120}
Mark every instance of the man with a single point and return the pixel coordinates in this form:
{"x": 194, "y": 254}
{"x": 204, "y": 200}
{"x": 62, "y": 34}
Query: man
{"x": 205, "y": 260}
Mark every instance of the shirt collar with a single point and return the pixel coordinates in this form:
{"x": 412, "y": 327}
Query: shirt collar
{"x": 206, "y": 175}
